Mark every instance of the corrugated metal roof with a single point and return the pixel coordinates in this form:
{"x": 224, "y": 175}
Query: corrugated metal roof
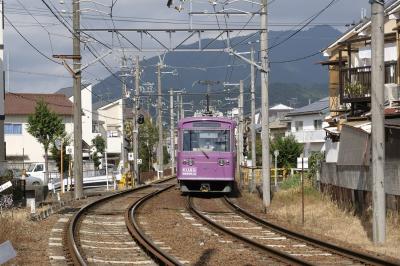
{"x": 363, "y": 125}
{"x": 320, "y": 106}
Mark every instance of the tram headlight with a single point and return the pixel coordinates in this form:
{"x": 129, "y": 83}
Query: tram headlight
{"x": 221, "y": 162}
{"x": 190, "y": 162}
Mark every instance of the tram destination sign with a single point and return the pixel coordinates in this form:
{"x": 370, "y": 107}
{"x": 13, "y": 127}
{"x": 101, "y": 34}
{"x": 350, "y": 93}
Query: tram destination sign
{"x": 206, "y": 124}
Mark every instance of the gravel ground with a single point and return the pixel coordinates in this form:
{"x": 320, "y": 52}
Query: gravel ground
{"x": 323, "y": 220}
{"x": 169, "y": 224}
{"x": 31, "y": 239}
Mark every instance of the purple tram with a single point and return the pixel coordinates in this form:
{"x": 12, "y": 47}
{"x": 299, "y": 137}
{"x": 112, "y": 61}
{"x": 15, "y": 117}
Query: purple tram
{"x": 206, "y": 156}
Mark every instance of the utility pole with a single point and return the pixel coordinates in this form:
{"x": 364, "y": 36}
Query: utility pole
{"x": 265, "y": 105}
{"x": 2, "y": 90}
{"x": 181, "y": 108}
{"x": 377, "y": 122}
{"x": 78, "y": 167}
{"x": 135, "y": 131}
{"x": 253, "y": 121}
{"x": 123, "y": 75}
{"x": 240, "y": 129}
{"x": 172, "y": 126}
{"x": 160, "y": 155}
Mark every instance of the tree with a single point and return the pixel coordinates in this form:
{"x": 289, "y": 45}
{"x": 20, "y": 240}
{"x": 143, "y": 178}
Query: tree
{"x": 45, "y": 126}
{"x": 289, "y": 149}
{"x": 148, "y": 137}
{"x": 56, "y": 153}
{"x": 100, "y": 144}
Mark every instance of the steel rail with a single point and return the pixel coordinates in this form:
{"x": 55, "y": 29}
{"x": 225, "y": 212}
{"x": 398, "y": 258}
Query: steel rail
{"x": 359, "y": 256}
{"x": 71, "y": 239}
{"x": 137, "y": 233}
{"x": 284, "y": 257}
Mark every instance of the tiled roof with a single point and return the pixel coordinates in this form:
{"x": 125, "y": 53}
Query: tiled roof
{"x": 24, "y": 103}
{"x": 320, "y": 106}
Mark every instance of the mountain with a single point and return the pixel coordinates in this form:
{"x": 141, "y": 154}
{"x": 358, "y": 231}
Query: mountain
{"x": 303, "y": 80}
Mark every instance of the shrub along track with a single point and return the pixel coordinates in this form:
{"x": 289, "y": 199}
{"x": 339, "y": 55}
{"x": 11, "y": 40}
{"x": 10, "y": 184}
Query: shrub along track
{"x": 290, "y": 247}
{"x": 102, "y": 231}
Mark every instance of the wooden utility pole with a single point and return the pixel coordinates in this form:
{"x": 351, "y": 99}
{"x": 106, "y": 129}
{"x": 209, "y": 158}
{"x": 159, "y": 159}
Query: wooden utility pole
{"x": 135, "y": 130}
{"x": 78, "y": 167}
{"x": 123, "y": 75}
{"x": 265, "y": 105}
{"x": 172, "y": 132}
{"x": 160, "y": 154}
{"x": 253, "y": 121}
{"x": 377, "y": 121}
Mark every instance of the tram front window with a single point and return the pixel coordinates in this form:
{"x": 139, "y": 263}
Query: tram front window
{"x": 206, "y": 140}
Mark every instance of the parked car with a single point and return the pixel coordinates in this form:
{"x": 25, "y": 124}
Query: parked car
{"x": 31, "y": 180}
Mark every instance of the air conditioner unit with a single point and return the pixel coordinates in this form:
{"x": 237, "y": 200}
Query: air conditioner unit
{"x": 392, "y": 93}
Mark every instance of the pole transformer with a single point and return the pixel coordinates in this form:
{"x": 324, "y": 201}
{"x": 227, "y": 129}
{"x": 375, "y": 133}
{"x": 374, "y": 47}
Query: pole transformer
{"x": 377, "y": 121}
{"x": 78, "y": 167}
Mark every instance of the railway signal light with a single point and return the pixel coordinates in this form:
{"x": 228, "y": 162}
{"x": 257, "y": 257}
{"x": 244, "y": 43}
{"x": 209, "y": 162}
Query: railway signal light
{"x": 140, "y": 119}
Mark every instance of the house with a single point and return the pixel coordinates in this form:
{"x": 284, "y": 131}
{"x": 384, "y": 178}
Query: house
{"x": 306, "y": 124}
{"x": 109, "y": 123}
{"x": 89, "y": 132}
{"x": 349, "y": 62}
{"x": 20, "y": 145}
{"x": 348, "y": 136}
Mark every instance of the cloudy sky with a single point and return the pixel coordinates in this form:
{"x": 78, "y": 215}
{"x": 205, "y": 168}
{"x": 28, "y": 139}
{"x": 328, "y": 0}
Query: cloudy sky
{"x": 31, "y": 72}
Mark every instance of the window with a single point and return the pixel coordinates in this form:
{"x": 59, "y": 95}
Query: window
{"x": 95, "y": 128}
{"x": 12, "y": 129}
{"x": 289, "y": 126}
{"x": 298, "y": 125}
{"x": 39, "y": 168}
{"x": 318, "y": 124}
{"x": 206, "y": 140}
{"x": 112, "y": 134}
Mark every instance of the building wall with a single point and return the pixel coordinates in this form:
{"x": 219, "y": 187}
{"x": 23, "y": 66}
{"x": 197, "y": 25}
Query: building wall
{"x": 111, "y": 115}
{"x": 87, "y": 117}
{"x": 33, "y": 150}
{"x": 316, "y": 137}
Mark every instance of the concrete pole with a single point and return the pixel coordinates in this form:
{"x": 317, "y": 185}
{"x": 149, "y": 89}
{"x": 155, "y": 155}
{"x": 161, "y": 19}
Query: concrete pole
{"x": 106, "y": 163}
{"x": 172, "y": 133}
{"x": 123, "y": 156}
{"x": 377, "y": 121}
{"x": 181, "y": 106}
{"x": 2, "y": 90}
{"x": 160, "y": 155}
{"x": 135, "y": 132}
{"x": 253, "y": 121}
{"x": 178, "y": 106}
{"x": 241, "y": 124}
{"x": 265, "y": 105}
{"x": 62, "y": 167}
{"x": 78, "y": 167}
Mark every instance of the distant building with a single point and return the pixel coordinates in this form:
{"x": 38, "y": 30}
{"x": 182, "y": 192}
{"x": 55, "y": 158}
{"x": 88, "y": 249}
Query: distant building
{"x": 20, "y": 145}
{"x": 307, "y": 124}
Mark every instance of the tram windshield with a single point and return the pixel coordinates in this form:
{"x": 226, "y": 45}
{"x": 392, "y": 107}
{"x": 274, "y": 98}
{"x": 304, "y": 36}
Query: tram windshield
{"x": 206, "y": 140}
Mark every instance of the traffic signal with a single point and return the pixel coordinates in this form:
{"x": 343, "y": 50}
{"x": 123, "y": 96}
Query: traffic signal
{"x": 140, "y": 119}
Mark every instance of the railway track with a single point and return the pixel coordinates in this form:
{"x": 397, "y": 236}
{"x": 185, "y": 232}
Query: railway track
{"x": 290, "y": 247}
{"x": 104, "y": 232}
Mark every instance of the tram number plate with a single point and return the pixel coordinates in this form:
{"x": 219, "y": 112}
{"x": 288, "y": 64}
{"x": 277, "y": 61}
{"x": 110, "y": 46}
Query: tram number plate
{"x": 189, "y": 171}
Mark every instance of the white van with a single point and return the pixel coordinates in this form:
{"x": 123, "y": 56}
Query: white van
{"x": 38, "y": 170}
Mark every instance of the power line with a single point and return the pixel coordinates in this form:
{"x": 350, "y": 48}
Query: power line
{"x": 33, "y": 46}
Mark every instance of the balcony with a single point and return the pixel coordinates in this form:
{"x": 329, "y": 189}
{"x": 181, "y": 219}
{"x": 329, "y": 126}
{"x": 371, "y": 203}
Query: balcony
{"x": 309, "y": 136}
{"x": 355, "y": 83}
